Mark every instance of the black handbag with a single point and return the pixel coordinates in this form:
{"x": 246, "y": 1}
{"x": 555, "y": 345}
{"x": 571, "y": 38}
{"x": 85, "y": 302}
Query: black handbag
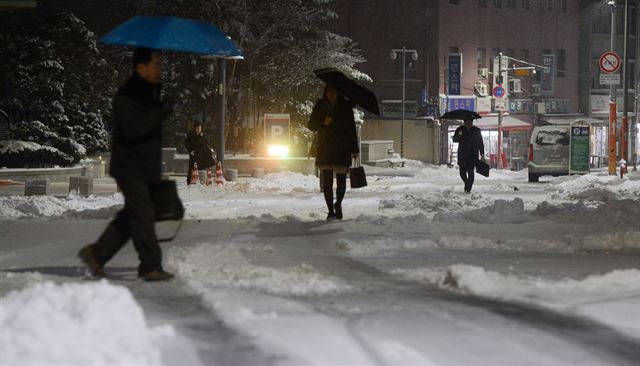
{"x": 167, "y": 205}
{"x": 357, "y": 176}
{"x": 482, "y": 168}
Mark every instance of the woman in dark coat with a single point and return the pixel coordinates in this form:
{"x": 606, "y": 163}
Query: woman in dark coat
{"x": 337, "y": 145}
{"x": 200, "y": 152}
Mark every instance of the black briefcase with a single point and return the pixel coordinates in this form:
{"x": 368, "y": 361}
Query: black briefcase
{"x": 357, "y": 177}
{"x": 167, "y": 204}
{"x": 482, "y": 168}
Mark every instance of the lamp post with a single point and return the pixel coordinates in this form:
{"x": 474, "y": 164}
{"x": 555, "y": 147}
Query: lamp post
{"x": 414, "y": 57}
{"x": 612, "y": 99}
{"x": 500, "y": 81}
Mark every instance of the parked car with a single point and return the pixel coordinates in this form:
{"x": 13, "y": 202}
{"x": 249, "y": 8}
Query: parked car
{"x": 549, "y": 152}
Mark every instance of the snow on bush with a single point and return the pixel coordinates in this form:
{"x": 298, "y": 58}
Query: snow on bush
{"x": 209, "y": 266}
{"x": 77, "y": 324}
{"x": 612, "y": 298}
{"x": 16, "y": 207}
{"x": 24, "y": 154}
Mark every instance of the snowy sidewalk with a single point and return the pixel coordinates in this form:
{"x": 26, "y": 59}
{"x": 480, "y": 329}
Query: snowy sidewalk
{"x": 419, "y": 273}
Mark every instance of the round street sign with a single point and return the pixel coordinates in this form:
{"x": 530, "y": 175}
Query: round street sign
{"x": 498, "y": 91}
{"x": 610, "y": 62}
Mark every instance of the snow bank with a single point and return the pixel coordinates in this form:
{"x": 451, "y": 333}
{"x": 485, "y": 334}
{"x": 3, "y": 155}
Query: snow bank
{"x": 16, "y": 207}
{"x": 618, "y": 213}
{"x": 592, "y": 187}
{"x": 282, "y": 182}
{"x": 76, "y": 324}
{"x": 439, "y": 200}
{"x": 209, "y": 266}
{"x": 612, "y": 298}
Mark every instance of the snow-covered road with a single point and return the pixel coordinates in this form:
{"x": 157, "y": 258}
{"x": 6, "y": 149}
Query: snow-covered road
{"x": 418, "y": 274}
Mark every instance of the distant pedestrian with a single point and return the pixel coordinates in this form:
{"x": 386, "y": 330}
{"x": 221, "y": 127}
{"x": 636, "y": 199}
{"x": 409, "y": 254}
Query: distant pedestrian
{"x": 200, "y": 152}
{"x": 337, "y": 145}
{"x": 470, "y": 148}
{"x": 136, "y": 165}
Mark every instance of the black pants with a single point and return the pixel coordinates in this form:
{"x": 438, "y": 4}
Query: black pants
{"x": 190, "y": 169}
{"x": 327, "y": 187}
{"x": 468, "y": 176}
{"x": 136, "y": 221}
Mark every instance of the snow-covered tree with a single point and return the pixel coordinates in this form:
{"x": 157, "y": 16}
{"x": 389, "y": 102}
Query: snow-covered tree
{"x": 55, "y": 85}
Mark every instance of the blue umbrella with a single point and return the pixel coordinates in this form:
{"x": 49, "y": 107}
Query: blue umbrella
{"x": 172, "y": 34}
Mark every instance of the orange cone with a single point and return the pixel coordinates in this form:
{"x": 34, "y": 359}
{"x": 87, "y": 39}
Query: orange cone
{"x": 195, "y": 179}
{"x": 209, "y": 177}
{"x": 219, "y": 178}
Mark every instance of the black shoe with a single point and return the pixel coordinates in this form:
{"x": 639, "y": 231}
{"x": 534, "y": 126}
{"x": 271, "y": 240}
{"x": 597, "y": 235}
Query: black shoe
{"x": 338, "y": 210}
{"x": 331, "y": 216}
{"x": 156, "y": 276}
{"x": 88, "y": 257}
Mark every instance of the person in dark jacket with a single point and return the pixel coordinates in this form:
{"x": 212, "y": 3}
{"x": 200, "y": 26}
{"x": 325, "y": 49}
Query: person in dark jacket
{"x": 470, "y": 147}
{"x": 197, "y": 144}
{"x": 136, "y": 160}
{"x": 337, "y": 145}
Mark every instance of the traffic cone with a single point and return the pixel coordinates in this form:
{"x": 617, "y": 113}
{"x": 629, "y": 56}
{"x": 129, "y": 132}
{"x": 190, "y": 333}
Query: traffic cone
{"x": 219, "y": 177}
{"x": 209, "y": 177}
{"x": 195, "y": 179}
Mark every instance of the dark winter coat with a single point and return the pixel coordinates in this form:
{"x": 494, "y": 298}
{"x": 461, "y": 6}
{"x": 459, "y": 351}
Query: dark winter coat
{"x": 337, "y": 137}
{"x": 470, "y": 145}
{"x": 137, "y": 134}
{"x": 202, "y": 154}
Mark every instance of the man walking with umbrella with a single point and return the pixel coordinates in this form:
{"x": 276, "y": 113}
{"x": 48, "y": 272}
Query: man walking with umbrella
{"x": 470, "y": 146}
{"x": 136, "y": 165}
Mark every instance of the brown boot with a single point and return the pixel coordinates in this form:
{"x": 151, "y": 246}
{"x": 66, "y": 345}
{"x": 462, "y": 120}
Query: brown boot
{"x": 156, "y": 276}
{"x": 88, "y": 257}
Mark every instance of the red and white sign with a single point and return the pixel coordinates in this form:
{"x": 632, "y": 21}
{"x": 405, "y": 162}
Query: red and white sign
{"x": 610, "y": 62}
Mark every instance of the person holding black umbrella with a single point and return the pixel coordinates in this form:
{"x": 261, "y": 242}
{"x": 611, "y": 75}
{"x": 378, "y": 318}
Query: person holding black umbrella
{"x": 470, "y": 146}
{"x": 136, "y": 161}
{"x": 337, "y": 145}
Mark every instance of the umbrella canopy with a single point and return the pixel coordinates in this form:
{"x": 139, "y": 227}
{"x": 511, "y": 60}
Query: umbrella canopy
{"x": 350, "y": 89}
{"x": 461, "y": 114}
{"x": 172, "y": 34}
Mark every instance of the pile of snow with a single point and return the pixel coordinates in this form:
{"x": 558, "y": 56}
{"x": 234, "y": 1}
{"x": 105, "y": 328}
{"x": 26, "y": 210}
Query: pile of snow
{"x": 281, "y": 182}
{"x": 618, "y": 213}
{"x": 211, "y": 266}
{"x": 439, "y": 200}
{"x": 612, "y": 298}
{"x": 592, "y": 187}
{"x": 77, "y": 324}
{"x": 16, "y": 207}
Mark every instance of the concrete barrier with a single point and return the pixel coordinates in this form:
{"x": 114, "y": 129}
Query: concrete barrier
{"x": 231, "y": 175}
{"x": 257, "y": 173}
{"x": 82, "y": 186}
{"x": 36, "y": 187}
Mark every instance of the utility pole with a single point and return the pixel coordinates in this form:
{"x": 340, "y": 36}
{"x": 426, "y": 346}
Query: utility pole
{"x": 613, "y": 114}
{"x": 500, "y": 114}
{"x": 404, "y": 91}
{"x": 625, "y": 87}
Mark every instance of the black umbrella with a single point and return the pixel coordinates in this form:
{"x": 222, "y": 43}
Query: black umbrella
{"x": 461, "y": 114}
{"x": 350, "y": 89}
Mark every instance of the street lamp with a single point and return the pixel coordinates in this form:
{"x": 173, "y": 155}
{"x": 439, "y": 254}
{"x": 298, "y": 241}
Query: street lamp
{"x": 414, "y": 57}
